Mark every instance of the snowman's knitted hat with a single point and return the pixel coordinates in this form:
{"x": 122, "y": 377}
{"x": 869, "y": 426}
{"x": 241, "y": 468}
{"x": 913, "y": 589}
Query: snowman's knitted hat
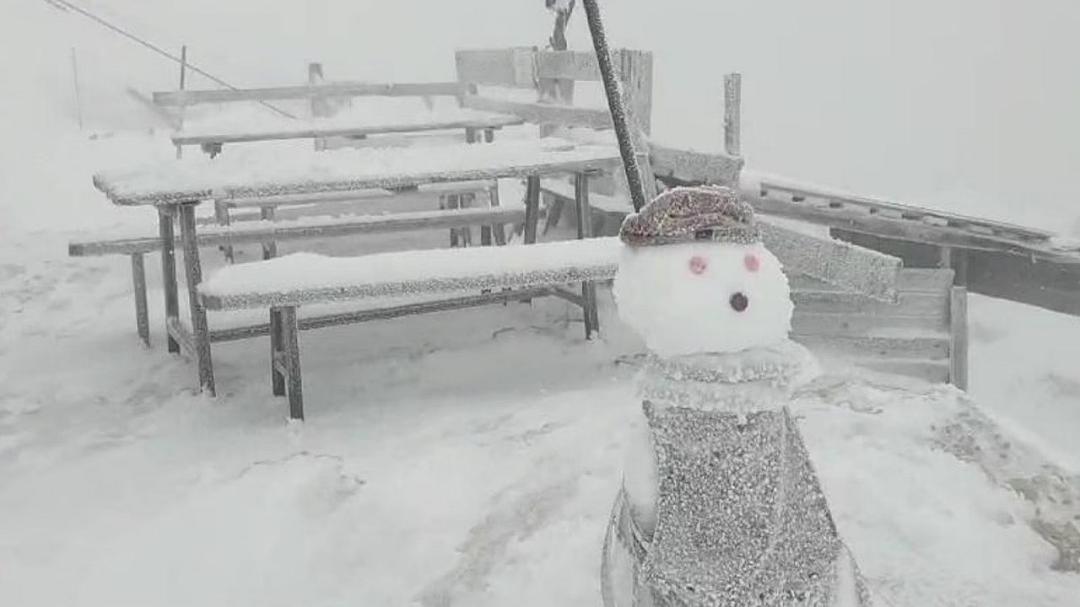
{"x": 688, "y": 214}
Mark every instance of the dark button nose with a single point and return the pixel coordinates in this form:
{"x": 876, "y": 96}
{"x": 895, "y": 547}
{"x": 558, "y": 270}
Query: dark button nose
{"x": 739, "y": 302}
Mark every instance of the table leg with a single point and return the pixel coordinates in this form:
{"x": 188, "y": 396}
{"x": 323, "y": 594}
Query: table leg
{"x": 532, "y": 207}
{"x": 584, "y": 230}
{"x": 269, "y": 248}
{"x": 138, "y": 278}
{"x": 168, "y": 271}
{"x": 193, "y": 271}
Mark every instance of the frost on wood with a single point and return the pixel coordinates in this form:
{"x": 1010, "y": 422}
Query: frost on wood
{"x": 256, "y": 173}
{"x": 309, "y": 278}
{"x": 854, "y": 268}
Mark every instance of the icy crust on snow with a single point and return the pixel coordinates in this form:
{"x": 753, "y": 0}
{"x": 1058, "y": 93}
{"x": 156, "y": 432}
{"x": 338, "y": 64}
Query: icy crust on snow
{"x": 308, "y": 278}
{"x": 232, "y": 125}
{"x": 251, "y": 173}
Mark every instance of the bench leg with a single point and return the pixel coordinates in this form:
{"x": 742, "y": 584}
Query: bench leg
{"x": 221, "y": 214}
{"x": 584, "y": 230}
{"x": 555, "y": 210}
{"x": 168, "y": 271}
{"x": 269, "y": 248}
{"x": 958, "y": 338}
{"x": 193, "y": 271}
{"x": 290, "y": 332}
{"x": 277, "y": 354}
{"x": 532, "y": 207}
{"x": 497, "y": 230}
{"x": 138, "y": 279}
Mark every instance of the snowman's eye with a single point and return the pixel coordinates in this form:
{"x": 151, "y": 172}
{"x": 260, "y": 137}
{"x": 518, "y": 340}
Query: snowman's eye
{"x": 739, "y": 302}
{"x": 698, "y": 264}
{"x": 751, "y": 262}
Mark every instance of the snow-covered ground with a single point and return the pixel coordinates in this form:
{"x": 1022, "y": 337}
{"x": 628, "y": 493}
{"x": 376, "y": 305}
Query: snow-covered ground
{"x": 465, "y": 458}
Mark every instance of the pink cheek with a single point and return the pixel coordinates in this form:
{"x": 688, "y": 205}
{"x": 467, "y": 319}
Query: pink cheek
{"x": 698, "y": 265}
{"x": 752, "y": 263}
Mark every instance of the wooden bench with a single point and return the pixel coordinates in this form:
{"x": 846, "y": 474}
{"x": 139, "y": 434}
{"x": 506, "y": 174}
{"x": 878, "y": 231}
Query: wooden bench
{"x": 259, "y": 227}
{"x": 472, "y": 276}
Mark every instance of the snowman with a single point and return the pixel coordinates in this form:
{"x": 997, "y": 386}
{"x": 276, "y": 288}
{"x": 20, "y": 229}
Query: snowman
{"x": 719, "y": 503}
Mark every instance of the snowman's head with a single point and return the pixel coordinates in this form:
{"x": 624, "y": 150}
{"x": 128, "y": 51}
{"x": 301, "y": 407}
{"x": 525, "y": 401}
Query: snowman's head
{"x": 695, "y": 278}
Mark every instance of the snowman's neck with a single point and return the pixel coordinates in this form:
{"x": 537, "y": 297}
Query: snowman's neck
{"x": 757, "y": 379}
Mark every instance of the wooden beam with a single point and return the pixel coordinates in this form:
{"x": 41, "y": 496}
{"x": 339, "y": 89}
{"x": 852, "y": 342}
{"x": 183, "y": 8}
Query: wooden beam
{"x": 512, "y": 67}
{"x": 958, "y": 328}
{"x": 142, "y": 315}
{"x": 694, "y": 168}
{"x": 332, "y": 89}
{"x": 540, "y": 113}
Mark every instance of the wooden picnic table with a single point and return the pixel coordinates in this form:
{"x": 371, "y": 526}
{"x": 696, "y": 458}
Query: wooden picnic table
{"x": 212, "y": 137}
{"x": 175, "y": 188}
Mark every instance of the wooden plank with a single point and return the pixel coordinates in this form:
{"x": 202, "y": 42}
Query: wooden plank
{"x": 860, "y": 325}
{"x": 532, "y": 208}
{"x": 933, "y": 281}
{"x": 958, "y": 327}
{"x": 309, "y": 130}
{"x": 511, "y": 67}
{"x": 732, "y": 114}
{"x": 584, "y": 230}
{"x": 277, "y": 363}
{"x": 878, "y": 347}
{"x": 193, "y": 272}
{"x": 908, "y": 304}
{"x": 569, "y": 65}
{"x": 177, "y": 332}
{"x": 539, "y": 113}
{"x": 859, "y": 270}
{"x": 331, "y": 89}
{"x": 167, "y": 242}
{"x": 929, "y": 371}
{"x": 267, "y": 232}
{"x": 294, "y": 386}
{"x": 142, "y": 315}
{"x": 688, "y": 167}
{"x": 385, "y": 313}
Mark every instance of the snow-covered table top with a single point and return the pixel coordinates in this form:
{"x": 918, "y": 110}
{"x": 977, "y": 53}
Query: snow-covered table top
{"x": 353, "y": 124}
{"x": 257, "y": 173}
{"x": 310, "y": 278}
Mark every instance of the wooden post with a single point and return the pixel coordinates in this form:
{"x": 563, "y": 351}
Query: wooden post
{"x": 78, "y": 95}
{"x": 221, "y": 215}
{"x": 532, "y": 207}
{"x": 168, "y": 271}
{"x": 320, "y": 107}
{"x": 269, "y": 248}
{"x": 733, "y": 114}
{"x": 499, "y": 232}
{"x": 557, "y": 91}
{"x": 277, "y": 352}
{"x": 290, "y": 333}
{"x": 193, "y": 271}
{"x": 958, "y": 330}
{"x": 183, "y": 84}
{"x": 584, "y": 230}
{"x": 142, "y": 316}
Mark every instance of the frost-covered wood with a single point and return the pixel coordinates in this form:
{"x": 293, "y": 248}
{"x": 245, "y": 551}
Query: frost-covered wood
{"x": 309, "y": 278}
{"x": 691, "y": 167}
{"x": 352, "y": 127}
{"x": 542, "y": 112}
{"x": 857, "y": 269}
{"x": 958, "y": 369}
{"x": 268, "y": 173}
{"x": 307, "y": 228}
{"x": 334, "y": 89}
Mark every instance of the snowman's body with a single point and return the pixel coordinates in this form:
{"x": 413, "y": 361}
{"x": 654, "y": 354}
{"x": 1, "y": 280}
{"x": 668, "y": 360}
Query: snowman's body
{"x": 719, "y": 503}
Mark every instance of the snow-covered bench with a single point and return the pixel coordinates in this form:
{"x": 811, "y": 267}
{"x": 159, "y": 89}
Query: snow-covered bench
{"x": 397, "y": 284}
{"x": 267, "y": 227}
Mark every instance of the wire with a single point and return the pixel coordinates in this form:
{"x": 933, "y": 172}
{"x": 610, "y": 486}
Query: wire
{"x": 68, "y": 5}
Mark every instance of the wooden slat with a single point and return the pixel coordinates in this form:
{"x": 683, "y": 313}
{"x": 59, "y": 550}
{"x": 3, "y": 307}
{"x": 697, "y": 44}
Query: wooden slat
{"x": 693, "y": 168}
{"x": 856, "y": 269}
{"x": 958, "y": 327}
{"x": 512, "y": 67}
{"x": 933, "y": 372}
{"x": 860, "y": 325}
{"x": 879, "y": 348}
{"x": 307, "y": 131}
{"x": 570, "y": 65}
{"x": 935, "y": 281}
{"x": 539, "y": 113}
{"x": 335, "y": 89}
{"x": 180, "y": 334}
{"x": 908, "y": 304}
{"x": 252, "y": 232}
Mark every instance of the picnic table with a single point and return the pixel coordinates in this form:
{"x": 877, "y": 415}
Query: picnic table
{"x": 175, "y": 188}
{"x": 212, "y": 136}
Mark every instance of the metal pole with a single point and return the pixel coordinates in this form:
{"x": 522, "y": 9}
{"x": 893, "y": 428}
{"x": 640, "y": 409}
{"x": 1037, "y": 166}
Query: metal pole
{"x": 615, "y": 105}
